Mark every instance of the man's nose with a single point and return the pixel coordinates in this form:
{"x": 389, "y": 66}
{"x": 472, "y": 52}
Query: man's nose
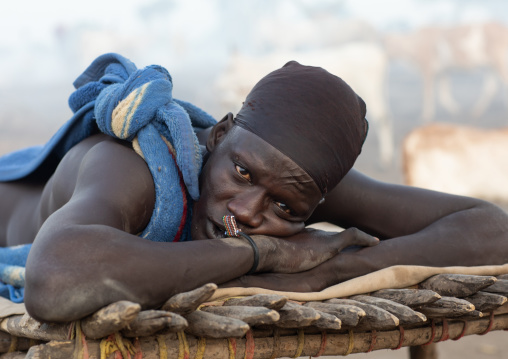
{"x": 247, "y": 207}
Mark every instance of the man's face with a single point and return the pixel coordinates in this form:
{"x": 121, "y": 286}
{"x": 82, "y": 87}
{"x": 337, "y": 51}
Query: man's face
{"x": 248, "y": 178}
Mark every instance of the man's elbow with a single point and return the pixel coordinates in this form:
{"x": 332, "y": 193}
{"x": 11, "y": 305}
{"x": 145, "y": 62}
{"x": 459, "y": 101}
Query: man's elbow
{"x": 489, "y": 228}
{"x": 50, "y": 298}
{"x": 494, "y": 216}
{"x": 42, "y": 309}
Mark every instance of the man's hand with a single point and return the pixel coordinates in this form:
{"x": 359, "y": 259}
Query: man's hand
{"x": 341, "y": 267}
{"x": 307, "y": 249}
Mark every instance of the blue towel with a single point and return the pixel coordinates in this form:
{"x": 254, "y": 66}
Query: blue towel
{"x": 12, "y": 271}
{"x": 116, "y": 98}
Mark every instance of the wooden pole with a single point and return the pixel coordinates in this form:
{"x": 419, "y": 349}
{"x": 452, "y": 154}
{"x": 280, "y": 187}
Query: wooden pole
{"x": 423, "y": 352}
{"x": 288, "y": 346}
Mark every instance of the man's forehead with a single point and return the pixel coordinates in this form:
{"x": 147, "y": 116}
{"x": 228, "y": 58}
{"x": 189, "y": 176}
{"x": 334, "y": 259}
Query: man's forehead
{"x": 310, "y": 115}
{"x": 258, "y": 151}
{"x": 268, "y": 160}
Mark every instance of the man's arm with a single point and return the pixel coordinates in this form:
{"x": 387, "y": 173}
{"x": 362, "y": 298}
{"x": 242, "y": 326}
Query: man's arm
{"x": 87, "y": 255}
{"x": 420, "y": 227}
{"x": 389, "y": 210}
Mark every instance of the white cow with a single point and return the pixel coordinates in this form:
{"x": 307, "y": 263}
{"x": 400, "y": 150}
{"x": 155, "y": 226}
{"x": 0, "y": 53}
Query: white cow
{"x": 363, "y": 65}
{"x": 458, "y": 159}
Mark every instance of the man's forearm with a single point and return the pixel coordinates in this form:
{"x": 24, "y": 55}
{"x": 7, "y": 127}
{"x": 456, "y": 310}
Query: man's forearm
{"x": 472, "y": 237}
{"x": 74, "y": 270}
{"x": 77, "y": 271}
{"x": 476, "y": 236}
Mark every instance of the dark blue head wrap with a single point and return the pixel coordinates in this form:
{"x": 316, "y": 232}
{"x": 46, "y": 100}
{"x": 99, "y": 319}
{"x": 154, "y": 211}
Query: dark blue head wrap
{"x": 311, "y": 116}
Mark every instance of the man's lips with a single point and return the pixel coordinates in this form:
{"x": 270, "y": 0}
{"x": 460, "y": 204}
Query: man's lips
{"x": 215, "y": 230}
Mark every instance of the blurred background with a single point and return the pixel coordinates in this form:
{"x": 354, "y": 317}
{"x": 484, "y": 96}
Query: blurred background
{"x": 414, "y": 62}
{"x": 434, "y": 70}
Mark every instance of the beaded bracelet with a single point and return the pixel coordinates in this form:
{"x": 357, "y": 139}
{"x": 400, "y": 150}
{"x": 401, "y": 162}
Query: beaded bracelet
{"x": 232, "y": 230}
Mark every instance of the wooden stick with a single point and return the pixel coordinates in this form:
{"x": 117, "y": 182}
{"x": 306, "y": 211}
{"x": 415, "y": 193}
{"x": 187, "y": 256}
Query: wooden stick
{"x": 486, "y": 302}
{"x": 26, "y": 326}
{"x": 210, "y": 325}
{"x": 502, "y": 309}
{"x": 375, "y": 318}
{"x": 500, "y": 287}
{"x": 149, "y": 322}
{"x": 110, "y": 319}
{"x": 327, "y": 322}
{"x": 349, "y": 315}
{"x": 14, "y": 355}
{"x": 447, "y": 307}
{"x": 457, "y": 285}
{"x": 249, "y": 315}
{"x": 60, "y": 349}
{"x": 270, "y": 301}
{"x": 294, "y": 315}
{"x": 185, "y": 303}
{"x": 336, "y": 344}
{"x": 406, "y": 315}
{"x": 409, "y": 297}
{"x": 6, "y": 340}
{"x": 423, "y": 351}
{"x": 474, "y": 314}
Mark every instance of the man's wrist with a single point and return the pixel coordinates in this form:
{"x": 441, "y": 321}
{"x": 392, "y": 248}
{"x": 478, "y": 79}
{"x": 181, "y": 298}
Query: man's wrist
{"x": 266, "y": 247}
{"x": 361, "y": 262}
{"x": 255, "y": 249}
{"x": 344, "y": 266}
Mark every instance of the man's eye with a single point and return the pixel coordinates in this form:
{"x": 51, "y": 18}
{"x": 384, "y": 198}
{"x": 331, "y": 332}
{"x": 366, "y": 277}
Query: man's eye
{"x": 243, "y": 172}
{"x": 284, "y": 207}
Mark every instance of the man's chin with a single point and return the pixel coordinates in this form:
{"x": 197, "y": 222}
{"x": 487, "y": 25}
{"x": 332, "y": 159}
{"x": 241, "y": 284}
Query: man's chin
{"x": 196, "y": 233}
{"x": 200, "y": 231}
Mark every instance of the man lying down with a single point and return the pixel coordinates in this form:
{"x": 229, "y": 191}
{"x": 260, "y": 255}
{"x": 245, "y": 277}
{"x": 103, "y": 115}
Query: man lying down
{"x": 120, "y": 205}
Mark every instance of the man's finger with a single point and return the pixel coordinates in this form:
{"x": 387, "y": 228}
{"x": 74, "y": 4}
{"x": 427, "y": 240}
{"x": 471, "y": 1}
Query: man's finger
{"x": 356, "y": 237}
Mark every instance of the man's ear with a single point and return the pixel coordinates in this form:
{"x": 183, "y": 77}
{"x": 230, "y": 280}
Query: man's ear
{"x": 218, "y": 131}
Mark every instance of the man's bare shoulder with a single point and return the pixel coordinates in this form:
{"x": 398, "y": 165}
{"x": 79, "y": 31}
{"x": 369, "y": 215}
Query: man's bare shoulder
{"x": 103, "y": 172}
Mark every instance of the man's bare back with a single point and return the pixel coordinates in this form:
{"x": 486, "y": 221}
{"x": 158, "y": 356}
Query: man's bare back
{"x": 26, "y": 205}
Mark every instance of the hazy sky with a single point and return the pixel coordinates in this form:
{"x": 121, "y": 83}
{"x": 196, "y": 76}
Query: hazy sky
{"x": 48, "y": 43}
{"x": 35, "y": 23}
{"x": 45, "y": 45}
